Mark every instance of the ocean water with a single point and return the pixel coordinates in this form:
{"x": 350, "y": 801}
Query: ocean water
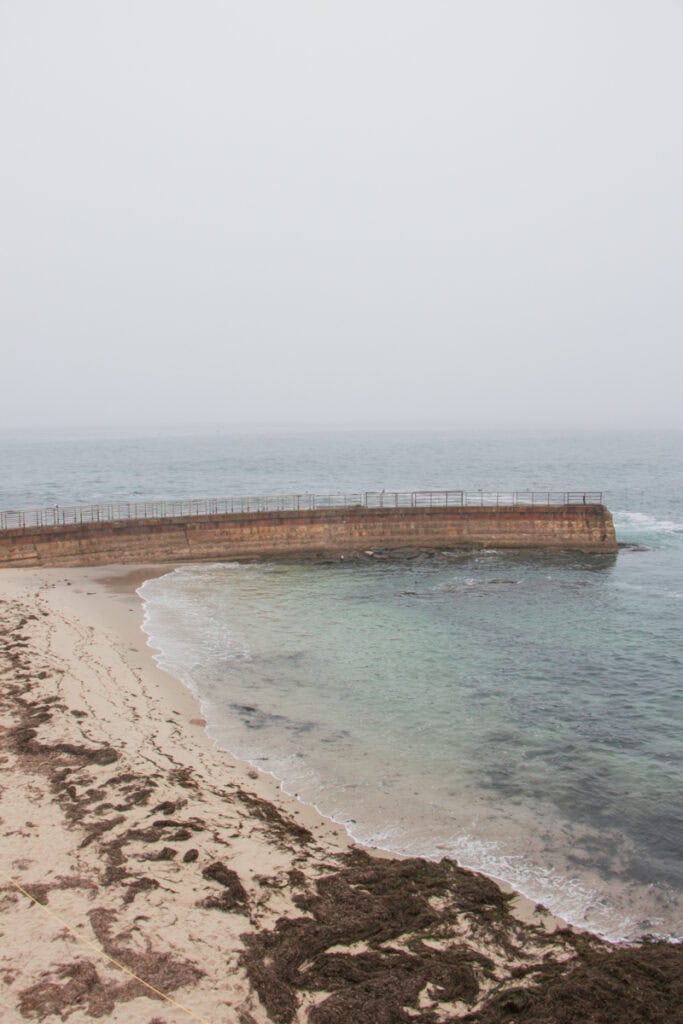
{"x": 519, "y": 712}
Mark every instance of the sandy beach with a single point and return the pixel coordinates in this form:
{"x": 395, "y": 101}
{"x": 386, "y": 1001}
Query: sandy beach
{"x": 147, "y": 877}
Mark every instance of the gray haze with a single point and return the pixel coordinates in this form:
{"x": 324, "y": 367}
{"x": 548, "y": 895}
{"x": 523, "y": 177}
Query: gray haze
{"x": 341, "y": 213}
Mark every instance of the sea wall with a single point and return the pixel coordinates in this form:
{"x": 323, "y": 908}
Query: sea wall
{"x": 585, "y": 528}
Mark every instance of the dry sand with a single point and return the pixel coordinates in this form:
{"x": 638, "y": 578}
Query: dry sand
{"x": 132, "y": 852}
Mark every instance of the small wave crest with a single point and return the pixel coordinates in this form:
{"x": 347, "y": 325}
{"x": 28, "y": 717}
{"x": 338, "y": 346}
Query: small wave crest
{"x": 183, "y": 631}
{"x": 641, "y": 526}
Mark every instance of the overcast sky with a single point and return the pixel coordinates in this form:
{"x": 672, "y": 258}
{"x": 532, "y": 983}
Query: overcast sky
{"x": 368, "y": 212}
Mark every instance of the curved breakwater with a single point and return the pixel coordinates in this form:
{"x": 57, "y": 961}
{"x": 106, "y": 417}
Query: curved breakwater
{"x": 61, "y": 538}
{"x": 520, "y": 713}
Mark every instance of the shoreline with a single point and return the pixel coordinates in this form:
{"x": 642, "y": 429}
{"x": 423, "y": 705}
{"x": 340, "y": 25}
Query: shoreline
{"x": 126, "y": 583}
{"x": 180, "y": 862}
{"x": 420, "y": 818}
{"x": 111, "y": 604}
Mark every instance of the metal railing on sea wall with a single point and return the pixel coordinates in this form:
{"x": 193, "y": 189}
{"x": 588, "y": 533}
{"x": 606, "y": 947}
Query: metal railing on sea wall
{"x": 66, "y": 515}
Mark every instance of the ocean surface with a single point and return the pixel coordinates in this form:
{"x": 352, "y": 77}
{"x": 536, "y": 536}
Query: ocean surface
{"x": 522, "y": 713}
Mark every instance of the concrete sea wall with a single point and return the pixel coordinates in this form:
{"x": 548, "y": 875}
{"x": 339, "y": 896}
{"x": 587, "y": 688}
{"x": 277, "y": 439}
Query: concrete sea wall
{"x": 586, "y": 528}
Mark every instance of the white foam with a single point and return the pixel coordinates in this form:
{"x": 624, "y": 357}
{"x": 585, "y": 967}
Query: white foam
{"x": 642, "y": 522}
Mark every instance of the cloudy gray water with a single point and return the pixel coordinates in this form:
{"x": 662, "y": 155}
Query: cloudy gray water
{"x": 519, "y": 712}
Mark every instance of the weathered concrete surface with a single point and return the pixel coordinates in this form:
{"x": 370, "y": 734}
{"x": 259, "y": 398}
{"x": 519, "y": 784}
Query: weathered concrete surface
{"x": 335, "y": 531}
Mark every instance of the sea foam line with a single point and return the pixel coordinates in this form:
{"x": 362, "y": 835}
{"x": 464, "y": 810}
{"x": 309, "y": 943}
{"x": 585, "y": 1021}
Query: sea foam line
{"x": 644, "y": 521}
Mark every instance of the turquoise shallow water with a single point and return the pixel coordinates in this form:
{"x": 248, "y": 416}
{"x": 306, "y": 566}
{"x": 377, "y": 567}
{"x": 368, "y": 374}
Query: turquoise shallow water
{"x": 492, "y": 707}
{"x": 521, "y": 713}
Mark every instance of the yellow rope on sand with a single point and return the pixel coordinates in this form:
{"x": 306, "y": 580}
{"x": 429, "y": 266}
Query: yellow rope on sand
{"x": 101, "y": 952}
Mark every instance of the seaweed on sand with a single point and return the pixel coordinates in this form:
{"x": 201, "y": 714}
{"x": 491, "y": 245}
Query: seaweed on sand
{"x": 233, "y": 896}
{"x": 79, "y": 985}
{"x": 386, "y": 906}
{"x": 280, "y": 826}
{"x": 413, "y": 942}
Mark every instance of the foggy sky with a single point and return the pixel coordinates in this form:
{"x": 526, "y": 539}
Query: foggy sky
{"x": 341, "y": 213}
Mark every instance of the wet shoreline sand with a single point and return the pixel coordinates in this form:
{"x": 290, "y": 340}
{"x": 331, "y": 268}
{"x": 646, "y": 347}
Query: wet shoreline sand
{"x": 149, "y": 852}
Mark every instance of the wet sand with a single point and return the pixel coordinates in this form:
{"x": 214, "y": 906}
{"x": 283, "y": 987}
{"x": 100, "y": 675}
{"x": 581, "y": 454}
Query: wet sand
{"x": 147, "y": 877}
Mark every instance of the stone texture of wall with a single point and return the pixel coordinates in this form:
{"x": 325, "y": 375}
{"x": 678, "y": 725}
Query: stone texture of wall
{"x": 334, "y": 531}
